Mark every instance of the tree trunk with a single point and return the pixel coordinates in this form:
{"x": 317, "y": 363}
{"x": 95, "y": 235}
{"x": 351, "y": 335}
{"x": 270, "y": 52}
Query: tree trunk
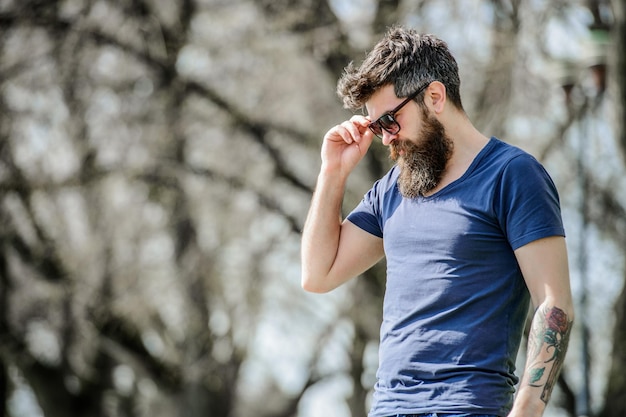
{"x": 619, "y": 74}
{"x": 615, "y": 404}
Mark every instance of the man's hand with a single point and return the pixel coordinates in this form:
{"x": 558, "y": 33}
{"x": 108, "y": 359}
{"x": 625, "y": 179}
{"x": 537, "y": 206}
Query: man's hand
{"x": 345, "y": 145}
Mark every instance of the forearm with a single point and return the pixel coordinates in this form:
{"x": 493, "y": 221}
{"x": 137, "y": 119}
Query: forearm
{"x": 547, "y": 345}
{"x": 321, "y": 232}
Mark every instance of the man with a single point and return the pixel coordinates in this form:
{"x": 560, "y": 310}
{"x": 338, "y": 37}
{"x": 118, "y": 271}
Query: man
{"x": 471, "y": 231}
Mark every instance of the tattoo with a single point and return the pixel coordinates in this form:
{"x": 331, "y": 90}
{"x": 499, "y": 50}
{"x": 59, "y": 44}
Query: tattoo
{"x": 547, "y": 344}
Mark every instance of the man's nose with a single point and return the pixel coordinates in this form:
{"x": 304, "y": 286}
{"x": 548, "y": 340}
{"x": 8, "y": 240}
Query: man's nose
{"x": 388, "y": 137}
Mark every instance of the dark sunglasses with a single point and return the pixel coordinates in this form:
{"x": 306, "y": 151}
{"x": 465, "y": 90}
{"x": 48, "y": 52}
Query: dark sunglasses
{"x": 387, "y": 121}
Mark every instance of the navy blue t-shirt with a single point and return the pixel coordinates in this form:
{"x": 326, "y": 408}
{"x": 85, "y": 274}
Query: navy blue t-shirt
{"x": 455, "y": 301}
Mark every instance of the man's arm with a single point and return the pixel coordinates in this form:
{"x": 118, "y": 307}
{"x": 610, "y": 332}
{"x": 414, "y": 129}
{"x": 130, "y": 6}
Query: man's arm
{"x": 545, "y": 269}
{"x": 334, "y": 251}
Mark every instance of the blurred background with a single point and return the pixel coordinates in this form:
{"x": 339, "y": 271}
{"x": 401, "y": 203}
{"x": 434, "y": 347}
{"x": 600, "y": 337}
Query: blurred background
{"x": 157, "y": 159}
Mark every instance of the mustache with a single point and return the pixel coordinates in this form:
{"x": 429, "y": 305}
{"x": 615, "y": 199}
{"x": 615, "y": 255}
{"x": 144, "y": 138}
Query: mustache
{"x": 401, "y": 146}
{"x": 408, "y": 150}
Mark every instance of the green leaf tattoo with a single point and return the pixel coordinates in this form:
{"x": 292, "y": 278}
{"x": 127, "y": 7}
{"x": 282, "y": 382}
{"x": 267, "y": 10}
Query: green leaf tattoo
{"x": 535, "y": 375}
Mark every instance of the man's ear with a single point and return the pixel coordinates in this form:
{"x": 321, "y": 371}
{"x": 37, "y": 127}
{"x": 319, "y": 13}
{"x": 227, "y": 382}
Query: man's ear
{"x": 435, "y": 96}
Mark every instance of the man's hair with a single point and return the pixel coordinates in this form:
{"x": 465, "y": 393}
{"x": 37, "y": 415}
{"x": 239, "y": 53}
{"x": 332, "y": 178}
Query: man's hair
{"x": 405, "y": 59}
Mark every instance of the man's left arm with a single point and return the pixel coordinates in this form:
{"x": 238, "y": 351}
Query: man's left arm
{"x": 545, "y": 269}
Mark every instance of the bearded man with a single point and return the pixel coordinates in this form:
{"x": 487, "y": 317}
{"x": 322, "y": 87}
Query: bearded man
{"x": 471, "y": 231}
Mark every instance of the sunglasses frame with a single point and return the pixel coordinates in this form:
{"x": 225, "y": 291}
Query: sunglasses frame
{"x": 378, "y": 125}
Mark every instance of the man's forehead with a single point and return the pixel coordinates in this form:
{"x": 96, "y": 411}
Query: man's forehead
{"x": 382, "y": 101}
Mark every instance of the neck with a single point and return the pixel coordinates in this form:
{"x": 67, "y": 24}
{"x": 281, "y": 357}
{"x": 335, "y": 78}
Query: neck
{"x": 467, "y": 140}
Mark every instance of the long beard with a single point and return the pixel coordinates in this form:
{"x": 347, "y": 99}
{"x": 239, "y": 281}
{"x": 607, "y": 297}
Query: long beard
{"x": 422, "y": 162}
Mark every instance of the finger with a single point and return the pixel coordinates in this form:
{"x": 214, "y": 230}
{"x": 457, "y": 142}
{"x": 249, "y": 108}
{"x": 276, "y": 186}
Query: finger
{"x": 354, "y": 128}
{"x": 361, "y": 121}
{"x": 340, "y": 133}
{"x": 367, "y": 138}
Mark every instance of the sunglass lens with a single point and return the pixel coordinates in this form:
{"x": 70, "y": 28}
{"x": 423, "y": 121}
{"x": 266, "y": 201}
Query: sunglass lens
{"x": 388, "y": 123}
{"x": 385, "y": 122}
{"x": 375, "y": 128}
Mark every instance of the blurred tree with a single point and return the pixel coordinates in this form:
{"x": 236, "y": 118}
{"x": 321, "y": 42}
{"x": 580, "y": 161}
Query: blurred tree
{"x": 156, "y": 163}
{"x": 615, "y": 399}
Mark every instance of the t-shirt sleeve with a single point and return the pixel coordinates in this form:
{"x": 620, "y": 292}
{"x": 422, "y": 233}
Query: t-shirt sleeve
{"x": 528, "y": 206}
{"x": 366, "y": 214}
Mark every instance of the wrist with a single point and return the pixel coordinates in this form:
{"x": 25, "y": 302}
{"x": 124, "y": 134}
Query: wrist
{"x": 332, "y": 173}
{"x": 527, "y": 404}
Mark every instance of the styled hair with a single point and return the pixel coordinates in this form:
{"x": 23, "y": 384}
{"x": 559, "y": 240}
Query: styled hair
{"x": 405, "y": 59}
